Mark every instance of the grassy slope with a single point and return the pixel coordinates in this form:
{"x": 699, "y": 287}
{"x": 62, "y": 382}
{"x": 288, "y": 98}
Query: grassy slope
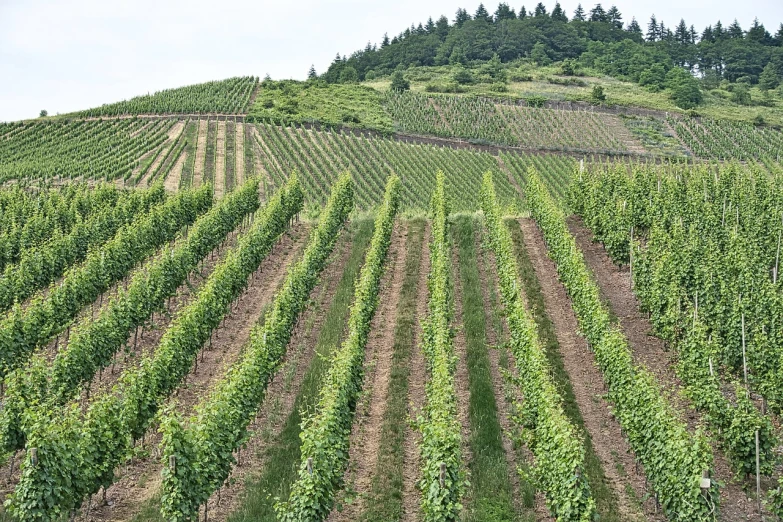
{"x": 716, "y": 102}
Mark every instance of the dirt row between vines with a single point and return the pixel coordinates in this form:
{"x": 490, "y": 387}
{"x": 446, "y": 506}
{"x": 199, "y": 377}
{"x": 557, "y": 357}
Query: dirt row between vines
{"x": 139, "y": 480}
{"x": 649, "y": 351}
{"x": 411, "y": 497}
{"x": 173, "y": 178}
{"x": 368, "y": 417}
{"x": 284, "y": 386}
{"x": 201, "y": 153}
{"x": 587, "y": 381}
{"x": 173, "y": 137}
{"x": 220, "y": 160}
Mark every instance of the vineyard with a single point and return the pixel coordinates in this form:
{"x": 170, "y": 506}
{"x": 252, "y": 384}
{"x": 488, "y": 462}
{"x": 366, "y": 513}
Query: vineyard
{"x": 260, "y": 301}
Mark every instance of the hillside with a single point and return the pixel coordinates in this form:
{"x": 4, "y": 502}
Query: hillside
{"x": 457, "y": 277}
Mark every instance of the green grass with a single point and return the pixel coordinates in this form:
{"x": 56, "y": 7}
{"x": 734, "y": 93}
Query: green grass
{"x": 283, "y": 455}
{"x": 384, "y": 501}
{"x": 490, "y": 496}
{"x": 289, "y": 101}
{"x": 527, "y": 490}
{"x": 605, "y": 498}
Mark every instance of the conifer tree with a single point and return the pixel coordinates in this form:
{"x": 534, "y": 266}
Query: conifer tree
{"x": 579, "y": 13}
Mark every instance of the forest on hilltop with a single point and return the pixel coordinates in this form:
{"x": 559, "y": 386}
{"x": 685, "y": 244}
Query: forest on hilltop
{"x": 655, "y": 56}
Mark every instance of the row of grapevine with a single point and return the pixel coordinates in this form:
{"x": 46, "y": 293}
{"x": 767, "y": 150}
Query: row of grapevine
{"x": 77, "y": 452}
{"x": 674, "y": 460}
{"x": 231, "y": 96}
{"x": 558, "y": 448}
{"x": 728, "y": 140}
{"x": 688, "y": 247}
{"x": 555, "y": 170}
{"x": 199, "y": 458}
{"x": 70, "y": 149}
{"x": 40, "y": 266}
{"x": 29, "y": 218}
{"x": 442, "y": 481}
{"x": 326, "y": 433}
{"x": 93, "y": 342}
{"x": 24, "y": 330}
{"x": 372, "y": 159}
{"x": 564, "y": 130}
{"x": 481, "y": 120}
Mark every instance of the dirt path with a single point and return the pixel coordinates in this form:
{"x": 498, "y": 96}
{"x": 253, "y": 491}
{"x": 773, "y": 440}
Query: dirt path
{"x": 174, "y": 133}
{"x": 201, "y": 153}
{"x": 649, "y": 351}
{"x": 220, "y": 160}
{"x": 443, "y": 120}
{"x": 616, "y": 127}
{"x": 239, "y": 155}
{"x": 371, "y": 407}
{"x": 284, "y": 387}
{"x": 173, "y": 179}
{"x": 416, "y": 393}
{"x": 609, "y": 445}
{"x": 139, "y": 481}
{"x": 511, "y": 179}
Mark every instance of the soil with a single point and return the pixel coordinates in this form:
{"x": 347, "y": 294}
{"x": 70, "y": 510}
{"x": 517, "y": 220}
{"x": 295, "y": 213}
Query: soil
{"x": 650, "y": 352}
{"x": 139, "y": 480}
{"x": 284, "y": 387}
{"x": 172, "y": 181}
{"x": 620, "y": 131}
{"x": 411, "y": 497}
{"x": 201, "y": 153}
{"x": 610, "y": 446}
{"x": 220, "y": 161}
{"x": 371, "y": 407}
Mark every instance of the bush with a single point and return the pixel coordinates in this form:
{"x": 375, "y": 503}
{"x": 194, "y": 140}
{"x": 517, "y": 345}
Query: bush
{"x": 535, "y": 101}
{"x": 370, "y": 75}
{"x": 519, "y": 76}
{"x": 597, "y": 94}
{"x": 740, "y": 94}
{"x": 399, "y": 83}
{"x": 498, "y": 87}
{"x": 462, "y": 76}
{"x": 685, "y": 91}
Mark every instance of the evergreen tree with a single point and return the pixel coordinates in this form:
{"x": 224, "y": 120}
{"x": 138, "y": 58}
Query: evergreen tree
{"x": 540, "y": 10}
{"x": 693, "y": 34}
{"x": 461, "y": 18}
{"x": 652, "y": 30}
{"x": 597, "y": 14}
{"x": 682, "y": 34}
{"x": 757, "y": 33}
{"x": 614, "y": 17}
{"x": 504, "y": 12}
{"x": 719, "y": 33}
{"x": 430, "y": 27}
{"x": 385, "y": 41}
{"x": 735, "y": 31}
{"x": 579, "y": 14}
{"x": 706, "y": 35}
{"x": 311, "y": 74}
{"x": 779, "y": 36}
{"x": 482, "y": 14}
{"x": 539, "y": 55}
{"x": 522, "y": 13}
{"x": 442, "y": 27}
{"x": 634, "y": 27}
{"x": 399, "y": 83}
{"x": 769, "y": 78}
{"x": 558, "y": 13}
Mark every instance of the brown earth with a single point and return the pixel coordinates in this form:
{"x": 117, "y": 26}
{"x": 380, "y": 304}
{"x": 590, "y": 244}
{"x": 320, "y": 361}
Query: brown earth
{"x": 172, "y": 181}
{"x": 284, "y": 387}
{"x": 220, "y": 161}
{"x": 201, "y": 153}
{"x": 371, "y": 407}
{"x": 239, "y": 156}
{"x": 609, "y": 445}
{"x": 173, "y": 135}
{"x": 411, "y": 497}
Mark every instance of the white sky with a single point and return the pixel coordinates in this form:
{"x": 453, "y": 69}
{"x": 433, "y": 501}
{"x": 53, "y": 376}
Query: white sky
{"x": 65, "y": 56}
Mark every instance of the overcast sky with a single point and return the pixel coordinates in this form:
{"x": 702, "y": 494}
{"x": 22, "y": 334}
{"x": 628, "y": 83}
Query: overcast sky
{"x": 64, "y": 56}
